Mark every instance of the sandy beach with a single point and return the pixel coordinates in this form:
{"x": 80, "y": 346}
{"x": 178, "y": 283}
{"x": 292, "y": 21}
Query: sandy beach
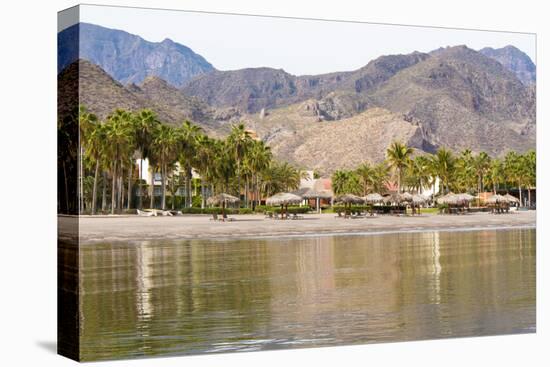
{"x": 134, "y": 228}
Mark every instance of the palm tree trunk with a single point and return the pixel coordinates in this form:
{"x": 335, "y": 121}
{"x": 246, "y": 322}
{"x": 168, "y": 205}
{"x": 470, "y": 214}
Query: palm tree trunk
{"x": 163, "y": 183}
{"x": 520, "y": 196}
{"x": 66, "y": 187}
{"x": 203, "y": 193}
{"x": 188, "y": 199}
{"x": 121, "y": 187}
{"x": 113, "y": 192}
{"x": 140, "y": 198}
{"x": 152, "y": 203}
{"x": 173, "y": 197}
{"x": 81, "y": 181}
{"x": 130, "y": 169}
{"x": 94, "y": 191}
{"x": 246, "y": 193}
{"x": 398, "y": 180}
{"x": 529, "y": 195}
{"x": 104, "y": 193}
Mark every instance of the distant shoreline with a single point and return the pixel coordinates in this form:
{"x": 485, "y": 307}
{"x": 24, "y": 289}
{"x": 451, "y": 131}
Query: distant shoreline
{"x": 94, "y": 230}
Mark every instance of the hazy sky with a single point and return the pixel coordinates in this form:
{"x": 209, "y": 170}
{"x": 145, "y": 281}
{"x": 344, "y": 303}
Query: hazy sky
{"x": 298, "y": 46}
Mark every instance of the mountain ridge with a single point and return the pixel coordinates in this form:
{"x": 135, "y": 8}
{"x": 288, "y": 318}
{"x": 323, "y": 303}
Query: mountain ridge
{"x": 128, "y": 58}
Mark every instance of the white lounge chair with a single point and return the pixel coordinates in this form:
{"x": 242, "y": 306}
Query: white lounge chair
{"x": 145, "y": 214}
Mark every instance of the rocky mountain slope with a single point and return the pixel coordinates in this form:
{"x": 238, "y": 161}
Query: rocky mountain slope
{"x": 462, "y": 99}
{"x": 129, "y": 58}
{"x": 454, "y": 97}
{"x": 101, "y": 94}
{"x": 251, "y": 90}
{"x": 514, "y": 60}
{"x": 295, "y": 134}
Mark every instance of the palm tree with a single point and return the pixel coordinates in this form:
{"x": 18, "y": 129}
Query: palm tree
{"x": 258, "y": 158}
{"x": 164, "y": 147}
{"x": 96, "y": 148}
{"x": 381, "y": 174}
{"x": 495, "y": 174}
{"x": 144, "y": 124}
{"x": 367, "y": 177}
{"x": 516, "y": 171}
{"x": 204, "y": 158}
{"x": 399, "y": 155}
{"x": 346, "y": 182}
{"x": 481, "y": 165}
{"x": 419, "y": 173}
{"x": 240, "y": 141}
{"x": 118, "y": 134}
{"x": 280, "y": 177}
{"x": 464, "y": 178}
{"x": 530, "y": 161}
{"x": 442, "y": 164}
{"x": 187, "y": 153}
{"x": 86, "y": 122}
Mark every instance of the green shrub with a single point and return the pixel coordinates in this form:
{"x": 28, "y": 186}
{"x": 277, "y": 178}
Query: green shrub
{"x": 192, "y": 210}
{"x": 197, "y": 201}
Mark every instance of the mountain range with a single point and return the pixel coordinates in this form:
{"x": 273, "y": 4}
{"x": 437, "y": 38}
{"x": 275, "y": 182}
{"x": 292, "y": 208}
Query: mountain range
{"x": 454, "y": 97}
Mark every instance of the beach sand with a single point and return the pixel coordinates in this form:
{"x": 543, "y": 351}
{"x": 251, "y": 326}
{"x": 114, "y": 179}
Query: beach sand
{"x": 134, "y": 228}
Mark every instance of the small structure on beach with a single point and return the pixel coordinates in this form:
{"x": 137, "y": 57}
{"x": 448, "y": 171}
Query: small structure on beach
{"x": 417, "y": 201}
{"x": 222, "y": 199}
{"x": 456, "y": 203}
{"x": 284, "y": 199}
{"x": 318, "y": 196}
{"x": 512, "y": 199}
{"x": 348, "y": 200}
{"x": 374, "y": 198}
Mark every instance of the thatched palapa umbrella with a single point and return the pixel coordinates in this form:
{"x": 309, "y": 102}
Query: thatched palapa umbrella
{"x": 450, "y": 198}
{"x": 398, "y": 198}
{"x": 495, "y": 199}
{"x": 222, "y": 199}
{"x": 406, "y": 197}
{"x": 317, "y": 195}
{"x": 511, "y": 199}
{"x": 348, "y": 200}
{"x": 373, "y": 198}
{"x": 417, "y": 200}
{"x": 283, "y": 199}
{"x": 465, "y": 197}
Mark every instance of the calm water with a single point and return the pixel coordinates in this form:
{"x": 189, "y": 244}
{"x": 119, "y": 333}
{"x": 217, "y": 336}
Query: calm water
{"x": 187, "y": 297}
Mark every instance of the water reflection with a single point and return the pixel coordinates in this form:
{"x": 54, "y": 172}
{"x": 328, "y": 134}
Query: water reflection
{"x": 153, "y": 298}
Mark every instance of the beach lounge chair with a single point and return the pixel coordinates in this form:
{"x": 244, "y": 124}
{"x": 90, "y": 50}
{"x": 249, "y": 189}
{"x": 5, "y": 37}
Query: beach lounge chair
{"x": 227, "y": 219}
{"x": 142, "y": 213}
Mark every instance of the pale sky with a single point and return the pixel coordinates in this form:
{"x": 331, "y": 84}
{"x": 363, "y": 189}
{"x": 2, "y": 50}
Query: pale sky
{"x": 298, "y": 46}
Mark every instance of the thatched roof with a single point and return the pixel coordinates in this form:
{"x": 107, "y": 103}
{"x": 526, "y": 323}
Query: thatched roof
{"x": 301, "y": 191}
{"x": 450, "y": 198}
{"x": 465, "y": 197}
{"x": 511, "y": 199}
{"x": 283, "y": 198}
{"x": 455, "y": 199}
{"x": 349, "y": 198}
{"x": 419, "y": 199}
{"x": 373, "y": 198}
{"x": 398, "y": 198}
{"x": 222, "y": 198}
{"x": 498, "y": 199}
{"x": 406, "y": 197}
{"x": 314, "y": 194}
